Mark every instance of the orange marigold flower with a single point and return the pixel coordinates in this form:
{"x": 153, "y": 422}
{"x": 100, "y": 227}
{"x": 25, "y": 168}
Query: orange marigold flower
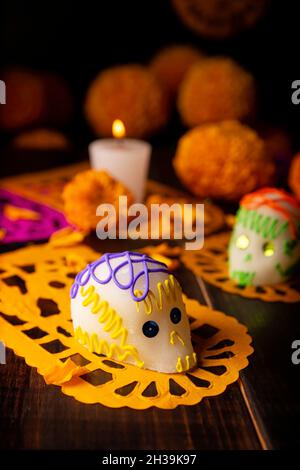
{"x": 130, "y": 93}
{"x": 223, "y": 161}
{"x": 34, "y": 98}
{"x": 214, "y": 90}
{"x": 220, "y": 18}
{"x": 294, "y": 176}
{"x": 171, "y": 64}
{"x": 86, "y": 191}
{"x": 24, "y": 99}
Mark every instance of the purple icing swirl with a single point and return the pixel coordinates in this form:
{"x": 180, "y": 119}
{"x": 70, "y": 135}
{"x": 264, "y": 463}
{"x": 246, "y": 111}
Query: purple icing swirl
{"x": 131, "y": 258}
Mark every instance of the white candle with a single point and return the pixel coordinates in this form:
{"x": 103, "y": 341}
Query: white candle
{"x": 127, "y": 160}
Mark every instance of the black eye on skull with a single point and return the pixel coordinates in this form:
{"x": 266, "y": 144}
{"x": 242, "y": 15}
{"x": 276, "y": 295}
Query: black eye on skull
{"x": 150, "y": 329}
{"x": 175, "y": 315}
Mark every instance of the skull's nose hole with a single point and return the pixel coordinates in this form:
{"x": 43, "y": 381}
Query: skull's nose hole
{"x": 248, "y": 258}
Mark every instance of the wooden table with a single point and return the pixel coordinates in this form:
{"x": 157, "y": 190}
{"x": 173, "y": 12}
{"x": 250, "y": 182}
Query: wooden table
{"x": 260, "y": 411}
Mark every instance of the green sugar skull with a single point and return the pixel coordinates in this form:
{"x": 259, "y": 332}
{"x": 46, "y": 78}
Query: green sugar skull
{"x": 265, "y": 243}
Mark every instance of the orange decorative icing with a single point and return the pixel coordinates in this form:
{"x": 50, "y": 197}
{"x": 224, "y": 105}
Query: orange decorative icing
{"x": 278, "y": 203}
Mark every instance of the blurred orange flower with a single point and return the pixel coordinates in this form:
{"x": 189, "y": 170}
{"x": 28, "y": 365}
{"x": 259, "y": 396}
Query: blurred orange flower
{"x": 171, "y": 64}
{"x": 219, "y": 19}
{"x": 223, "y": 161}
{"x": 34, "y": 98}
{"x": 86, "y": 191}
{"x": 130, "y": 93}
{"x": 216, "y": 89}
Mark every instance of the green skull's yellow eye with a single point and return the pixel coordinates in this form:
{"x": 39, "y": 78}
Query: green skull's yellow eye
{"x": 242, "y": 242}
{"x": 268, "y": 249}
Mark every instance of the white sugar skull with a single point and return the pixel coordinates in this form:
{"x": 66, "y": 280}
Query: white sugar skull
{"x": 128, "y": 307}
{"x": 265, "y": 243}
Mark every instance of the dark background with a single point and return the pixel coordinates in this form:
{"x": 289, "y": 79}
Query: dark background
{"x": 77, "y": 39}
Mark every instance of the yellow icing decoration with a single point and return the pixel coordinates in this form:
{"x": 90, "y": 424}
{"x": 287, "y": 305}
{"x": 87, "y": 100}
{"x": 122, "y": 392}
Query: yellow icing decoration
{"x": 113, "y": 324}
{"x": 179, "y": 367}
{"x": 174, "y": 333}
{"x": 167, "y": 290}
{"x": 190, "y": 361}
{"x": 101, "y": 346}
{"x": 194, "y": 360}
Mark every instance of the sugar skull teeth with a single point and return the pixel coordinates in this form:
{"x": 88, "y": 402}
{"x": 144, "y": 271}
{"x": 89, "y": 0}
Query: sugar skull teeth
{"x": 265, "y": 243}
{"x": 186, "y": 363}
{"x": 128, "y": 307}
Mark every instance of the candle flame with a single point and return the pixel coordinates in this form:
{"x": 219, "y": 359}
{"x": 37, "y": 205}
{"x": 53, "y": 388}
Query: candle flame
{"x": 118, "y": 129}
